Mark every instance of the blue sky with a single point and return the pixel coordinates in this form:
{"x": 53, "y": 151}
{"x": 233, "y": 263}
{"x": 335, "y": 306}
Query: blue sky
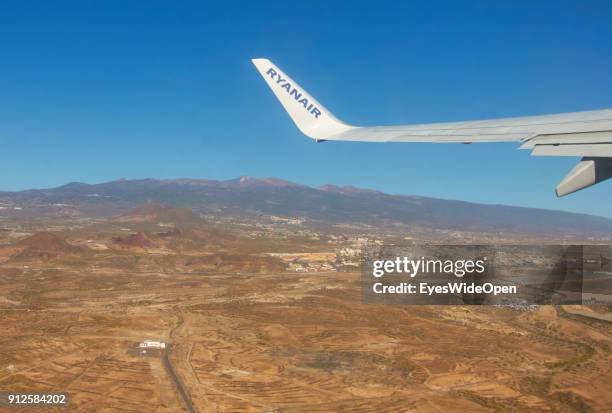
{"x": 96, "y": 91}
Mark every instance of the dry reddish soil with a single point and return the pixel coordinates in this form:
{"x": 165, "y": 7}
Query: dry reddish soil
{"x": 248, "y": 335}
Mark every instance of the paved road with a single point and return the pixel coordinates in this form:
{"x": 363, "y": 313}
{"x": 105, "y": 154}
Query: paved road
{"x": 170, "y": 369}
{"x": 177, "y": 382}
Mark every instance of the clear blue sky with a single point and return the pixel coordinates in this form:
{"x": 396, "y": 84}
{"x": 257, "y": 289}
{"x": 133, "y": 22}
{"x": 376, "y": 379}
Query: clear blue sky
{"x": 95, "y": 91}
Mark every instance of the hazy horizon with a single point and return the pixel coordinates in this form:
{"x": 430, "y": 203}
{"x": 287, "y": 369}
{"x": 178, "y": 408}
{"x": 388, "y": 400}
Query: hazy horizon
{"x": 312, "y": 186}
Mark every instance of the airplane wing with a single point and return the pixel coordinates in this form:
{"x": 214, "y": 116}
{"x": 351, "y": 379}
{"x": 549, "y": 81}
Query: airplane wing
{"x": 584, "y": 134}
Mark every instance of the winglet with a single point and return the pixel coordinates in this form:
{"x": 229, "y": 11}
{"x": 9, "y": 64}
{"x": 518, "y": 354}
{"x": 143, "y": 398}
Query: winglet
{"x": 312, "y": 118}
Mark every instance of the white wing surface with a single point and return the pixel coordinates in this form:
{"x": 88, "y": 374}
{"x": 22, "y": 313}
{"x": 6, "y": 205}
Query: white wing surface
{"x": 584, "y": 134}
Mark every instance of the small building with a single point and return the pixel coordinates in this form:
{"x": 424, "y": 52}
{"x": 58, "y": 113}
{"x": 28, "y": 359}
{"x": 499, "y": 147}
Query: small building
{"x": 152, "y": 344}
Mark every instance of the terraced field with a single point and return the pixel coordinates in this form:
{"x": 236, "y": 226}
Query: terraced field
{"x": 281, "y": 341}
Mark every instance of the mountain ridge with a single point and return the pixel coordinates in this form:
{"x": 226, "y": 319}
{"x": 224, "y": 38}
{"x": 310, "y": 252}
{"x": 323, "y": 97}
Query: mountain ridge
{"x": 330, "y": 204}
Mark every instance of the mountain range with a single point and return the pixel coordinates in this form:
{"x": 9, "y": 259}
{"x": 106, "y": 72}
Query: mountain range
{"x": 328, "y": 204}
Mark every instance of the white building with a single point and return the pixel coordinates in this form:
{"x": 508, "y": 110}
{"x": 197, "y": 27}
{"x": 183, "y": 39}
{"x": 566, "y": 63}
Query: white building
{"x": 152, "y": 344}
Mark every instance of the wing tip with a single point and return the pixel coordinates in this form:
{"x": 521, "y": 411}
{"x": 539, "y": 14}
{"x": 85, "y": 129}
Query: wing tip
{"x": 256, "y": 60}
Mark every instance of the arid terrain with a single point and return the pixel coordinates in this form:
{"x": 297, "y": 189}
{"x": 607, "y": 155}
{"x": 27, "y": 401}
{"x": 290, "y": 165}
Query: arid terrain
{"x": 266, "y": 318}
